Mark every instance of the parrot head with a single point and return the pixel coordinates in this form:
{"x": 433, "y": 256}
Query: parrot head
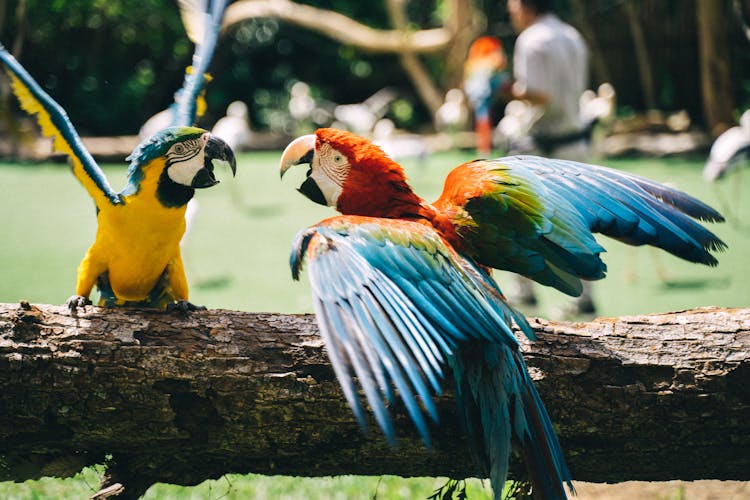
{"x": 486, "y": 51}
{"x": 346, "y": 172}
{"x": 186, "y": 156}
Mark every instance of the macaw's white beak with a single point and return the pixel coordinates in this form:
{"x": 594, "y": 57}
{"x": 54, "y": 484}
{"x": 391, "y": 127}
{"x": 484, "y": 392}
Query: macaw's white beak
{"x": 299, "y": 151}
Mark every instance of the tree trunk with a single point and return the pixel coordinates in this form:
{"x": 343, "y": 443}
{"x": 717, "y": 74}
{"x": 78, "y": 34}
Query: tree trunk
{"x": 716, "y": 84}
{"x": 640, "y": 47}
{"x": 466, "y": 22}
{"x": 600, "y": 69}
{"x": 430, "y": 94}
{"x": 183, "y": 399}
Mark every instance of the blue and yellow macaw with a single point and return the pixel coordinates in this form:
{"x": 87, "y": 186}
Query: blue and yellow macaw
{"x": 402, "y": 288}
{"x": 135, "y": 258}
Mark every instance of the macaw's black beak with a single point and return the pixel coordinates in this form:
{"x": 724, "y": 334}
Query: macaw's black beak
{"x": 215, "y": 149}
{"x": 310, "y": 189}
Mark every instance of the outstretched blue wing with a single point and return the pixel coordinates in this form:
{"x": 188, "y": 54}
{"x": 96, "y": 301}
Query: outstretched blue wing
{"x": 54, "y": 123}
{"x": 395, "y": 304}
{"x": 536, "y": 216}
{"x": 202, "y": 21}
{"x": 392, "y": 301}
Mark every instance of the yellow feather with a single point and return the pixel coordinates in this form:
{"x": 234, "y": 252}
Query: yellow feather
{"x": 34, "y": 107}
{"x": 59, "y": 144}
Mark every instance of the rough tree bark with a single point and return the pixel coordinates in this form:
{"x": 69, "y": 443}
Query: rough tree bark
{"x": 180, "y": 400}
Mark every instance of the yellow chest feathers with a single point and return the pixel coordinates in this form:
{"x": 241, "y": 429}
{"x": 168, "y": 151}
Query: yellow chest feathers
{"x": 138, "y": 239}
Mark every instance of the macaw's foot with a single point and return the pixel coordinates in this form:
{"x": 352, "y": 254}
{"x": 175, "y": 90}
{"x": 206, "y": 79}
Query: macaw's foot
{"x": 76, "y": 301}
{"x": 184, "y": 307}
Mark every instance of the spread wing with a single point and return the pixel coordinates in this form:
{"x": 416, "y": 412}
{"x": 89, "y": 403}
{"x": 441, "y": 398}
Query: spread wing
{"x": 54, "y": 123}
{"x": 202, "y": 20}
{"x": 392, "y": 299}
{"x": 536, "y": 217}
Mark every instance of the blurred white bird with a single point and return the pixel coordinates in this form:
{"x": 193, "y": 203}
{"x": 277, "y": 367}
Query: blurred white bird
{"x": 453, "y": 114}
{"x": 361, "y": 118}
{"x": 159, "y": 121}
{"x": 301, "y": 102}
{"x": 308, "y": 113}
{"x": 597, "y": 107}
{"x": 234, "y": 128}
{"x": 730, "y": 149}
{"x": 398, "y": 144}
{"x": 513, "y": 129}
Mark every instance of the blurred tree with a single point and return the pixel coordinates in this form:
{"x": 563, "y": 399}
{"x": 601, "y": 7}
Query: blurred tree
{"x": 113, "y": 63}
{"x": 406, "y": 39}
{"x": 110, "y": 63}
{"x": 642, "y": 53}
{"x": 581, "y": 19}
{"x": 716, "y": 85}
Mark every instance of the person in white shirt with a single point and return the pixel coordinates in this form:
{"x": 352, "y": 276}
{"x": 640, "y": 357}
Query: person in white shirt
{"x": 550, "y": 69}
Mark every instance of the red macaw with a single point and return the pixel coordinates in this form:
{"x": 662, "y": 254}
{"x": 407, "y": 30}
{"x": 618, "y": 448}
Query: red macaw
{"x": 483, "y": 75}
{"x": 402, "y": 288}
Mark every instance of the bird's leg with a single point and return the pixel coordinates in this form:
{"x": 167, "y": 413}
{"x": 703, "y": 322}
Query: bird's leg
{"x": 524, "y": 294}
{"x": 725, "y": 206}
{"x": 76, "y": 301}
{"x": 630, "y": 274}
{"x": 184, "y": 307}
{"x": 660, "y": 270}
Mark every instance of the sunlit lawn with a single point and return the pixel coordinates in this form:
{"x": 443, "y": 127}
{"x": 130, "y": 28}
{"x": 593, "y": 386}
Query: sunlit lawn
{"x": 237, "y": 253}
{"x": 236, "y": 257}
{"x": 251, "y": 486}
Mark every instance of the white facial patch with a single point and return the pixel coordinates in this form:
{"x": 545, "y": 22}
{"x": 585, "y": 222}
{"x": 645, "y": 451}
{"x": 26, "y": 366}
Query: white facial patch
{"x": 186, "y": 159}
{"x": 330, "y": 189}
{"x": 329, "y": 170}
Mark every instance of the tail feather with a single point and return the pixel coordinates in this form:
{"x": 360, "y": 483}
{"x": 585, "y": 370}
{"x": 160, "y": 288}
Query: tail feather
{"x": 534, "y": 432}
{"x": 498, "y": 403}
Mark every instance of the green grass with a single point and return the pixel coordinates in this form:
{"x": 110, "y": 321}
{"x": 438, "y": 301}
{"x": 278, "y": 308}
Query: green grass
{"x": 247, "y": 487}
{"x": 236, "y": 257}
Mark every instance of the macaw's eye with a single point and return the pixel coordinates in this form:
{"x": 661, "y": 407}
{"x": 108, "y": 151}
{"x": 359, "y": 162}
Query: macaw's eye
{"x": 338, "y": 158}
{"x": 179, "y": 149}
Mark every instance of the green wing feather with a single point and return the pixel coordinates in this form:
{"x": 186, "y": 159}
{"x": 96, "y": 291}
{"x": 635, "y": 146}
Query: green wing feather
{"x": 536, "y": 217}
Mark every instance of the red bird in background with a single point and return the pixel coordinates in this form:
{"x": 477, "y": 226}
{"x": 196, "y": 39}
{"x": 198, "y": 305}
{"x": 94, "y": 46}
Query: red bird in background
{"x": 484, "y": 73}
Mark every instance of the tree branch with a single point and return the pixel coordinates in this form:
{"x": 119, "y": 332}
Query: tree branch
{"x": 340, "y": 27}
{"x": 413, "y": 67}
{"x": 181, "y": 400}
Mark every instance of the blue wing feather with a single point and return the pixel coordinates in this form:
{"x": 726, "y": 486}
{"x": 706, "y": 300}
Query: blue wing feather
{"x": 395, "y": 304}
{"x": 536, "y": 216}
{"x": 416, "y": 307}
{"x": 186, "y": 102}
{"x": 667, "y": 210}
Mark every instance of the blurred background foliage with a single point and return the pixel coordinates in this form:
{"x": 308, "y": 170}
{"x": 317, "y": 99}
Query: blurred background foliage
{"x": 114, "y": 63}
